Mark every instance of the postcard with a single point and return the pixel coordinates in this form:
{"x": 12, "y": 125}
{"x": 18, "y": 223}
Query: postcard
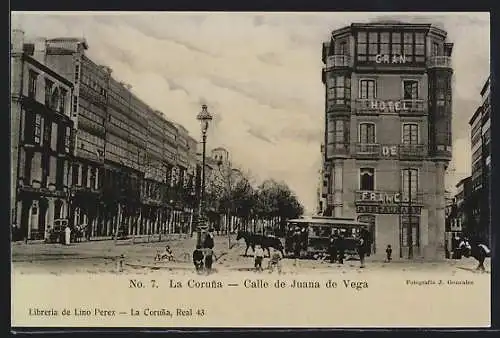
{"x": 293, "y": 170}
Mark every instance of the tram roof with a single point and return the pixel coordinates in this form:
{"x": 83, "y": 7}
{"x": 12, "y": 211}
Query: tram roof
{"x": 327, "y": 221}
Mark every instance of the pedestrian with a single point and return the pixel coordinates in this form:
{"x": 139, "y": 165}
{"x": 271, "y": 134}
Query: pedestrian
{"x": 67, "y": 235}
{"x": 388, "y": 252}
{"x": 209, "y": 240}
{"x": 259, "y": 257}
{"x": 341, "y": 248}
{"x": 275, "y": 261}
{"x": 209, "y": 259}
{"x": 361, "y": 251}
{"x": 332, "y": 248}
{"x": 198, "y": 259}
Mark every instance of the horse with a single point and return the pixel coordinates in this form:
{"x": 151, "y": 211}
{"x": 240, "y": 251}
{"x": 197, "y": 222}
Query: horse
{"x": 477, "y": 250}
{"x": 266, "y": 242}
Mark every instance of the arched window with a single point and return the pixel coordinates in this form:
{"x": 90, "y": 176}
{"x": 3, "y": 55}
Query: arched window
{"x": 367, "y": 179}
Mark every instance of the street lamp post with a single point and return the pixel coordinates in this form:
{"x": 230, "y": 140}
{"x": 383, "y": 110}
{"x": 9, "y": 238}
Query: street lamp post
{"x": 204, "y": 117}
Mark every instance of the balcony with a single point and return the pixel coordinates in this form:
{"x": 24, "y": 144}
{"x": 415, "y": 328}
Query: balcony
{"x": 403, "y": 107}
{"x": 439, "y": 62}
{"x": 417, "y": 151}
{"x": 367, "y": 150}
{"x": 338, "y": 61}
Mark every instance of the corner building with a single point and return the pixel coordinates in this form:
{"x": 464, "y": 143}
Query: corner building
{"x": 388, "y": 132}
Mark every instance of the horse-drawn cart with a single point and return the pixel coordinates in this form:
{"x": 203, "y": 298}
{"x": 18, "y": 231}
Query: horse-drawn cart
{"x": 310, "y": 237}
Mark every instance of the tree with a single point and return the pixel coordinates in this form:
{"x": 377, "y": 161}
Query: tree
{"x": 276, "y": 203}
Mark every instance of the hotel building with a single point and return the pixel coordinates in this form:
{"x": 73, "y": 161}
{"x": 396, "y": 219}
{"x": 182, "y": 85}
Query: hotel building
{"x": 388, "y": 132}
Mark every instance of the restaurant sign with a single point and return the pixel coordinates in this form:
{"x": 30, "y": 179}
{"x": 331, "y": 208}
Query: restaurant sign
{"x": 388, "y": 209}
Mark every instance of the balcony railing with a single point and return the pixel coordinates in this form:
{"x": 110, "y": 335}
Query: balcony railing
{"x": 371, "y": 150}
{"x": 412, "y": 150}
{"x": 374, "y": 106}
{"x": 334, "y": 61}
{"x": 387, "y": 197}
{"x": 439, "y": 62}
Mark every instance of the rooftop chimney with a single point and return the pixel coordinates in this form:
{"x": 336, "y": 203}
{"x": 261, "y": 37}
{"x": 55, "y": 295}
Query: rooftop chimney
{"x": 40, "y": 49}
{"x": 17, "y": 40}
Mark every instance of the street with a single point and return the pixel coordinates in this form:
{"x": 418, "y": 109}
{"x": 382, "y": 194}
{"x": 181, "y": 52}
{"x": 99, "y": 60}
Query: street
{"x": 104, "y": 256}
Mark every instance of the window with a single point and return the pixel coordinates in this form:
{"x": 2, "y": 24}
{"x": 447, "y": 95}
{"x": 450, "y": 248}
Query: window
{"x": 393, "y": 44}
{"x": 54, "y": 100}
{"x": 38, "y": 128}
{"x": 409, "y": 183}
{"x": 410, "y": 90}
{"x": 415, "y": 230}
{"x": 339, "y": 134}
{"x": 67, "y": 140}
{"x": 435, "y": 49}
{"x": 367, "y": 89}
{"x": 84, "y": 176}
{"x": 74, "y": 174}
{"x": 408, "y": 46}
{"x": 396, "y": 43}
{"x": 48, "y": 92}
{"x": 75, "y": 105}
{"x": 362, "y": 46}
{"x": 77, "y": 72}
{"x": 372, "y": 46}
{"x": 32, "y": 84}
{"x": 339, "y": 90}
{"x": 54, "y": 137}
{"x": 440, "y": 90}
{"x": 410, "y": 133}
{"x": 367, "y": 179}
{"x": 419, "y": 47}
{"x": 92, "y": 178}
{"x": 385, "y": 43}
{"x": 342, "y": 48}
{"x": 367, "y": 133}
{"x": 47, "y": 133}
{"x": 62, "y": 102}
{"x": 59, "y": 173}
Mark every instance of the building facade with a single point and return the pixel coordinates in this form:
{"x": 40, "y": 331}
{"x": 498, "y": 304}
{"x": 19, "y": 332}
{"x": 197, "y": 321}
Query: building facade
{"x": 481, "y": 168}
{"x": 131, "y": 170}
{"x": 41, "y": 141}
{"x": 388, "y": 132}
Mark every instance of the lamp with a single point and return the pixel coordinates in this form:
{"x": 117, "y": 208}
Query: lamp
{"x": 204, "y": 117}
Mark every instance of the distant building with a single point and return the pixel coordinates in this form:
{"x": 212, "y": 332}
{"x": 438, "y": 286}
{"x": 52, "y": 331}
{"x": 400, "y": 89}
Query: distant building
{"x": 41, "y": 141}
{"x": 463, "y": 216}
{"x": 481, "y": 166}
{"x": 388, "y": 139}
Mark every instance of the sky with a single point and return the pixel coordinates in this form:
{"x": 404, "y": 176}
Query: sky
{"x": 260, "y": 75}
